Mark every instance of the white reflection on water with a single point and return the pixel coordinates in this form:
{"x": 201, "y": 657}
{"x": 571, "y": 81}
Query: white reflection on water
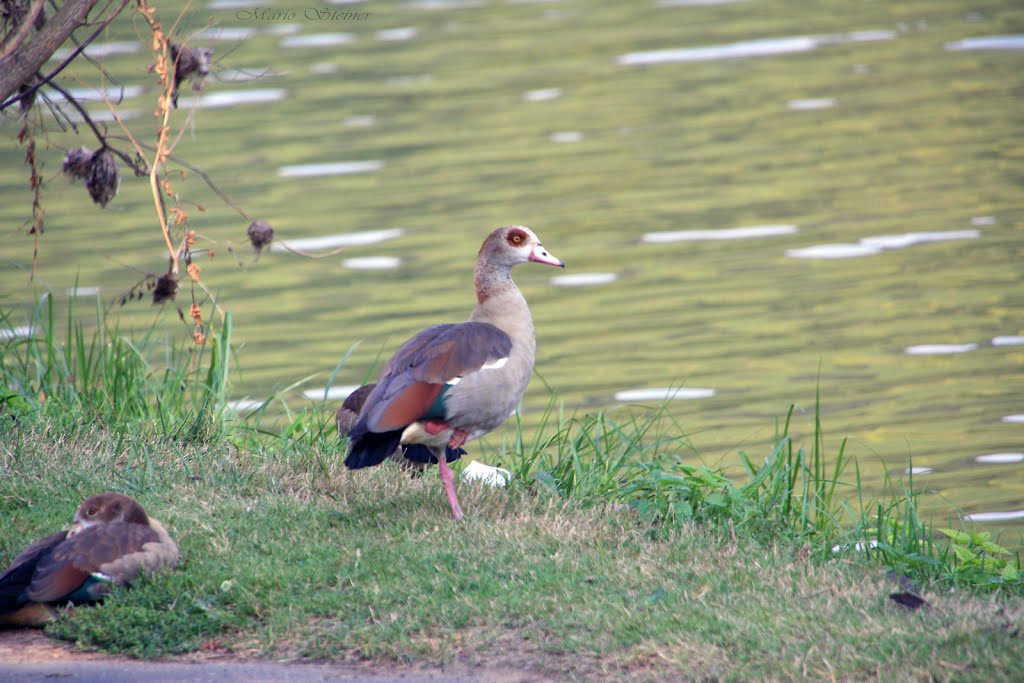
{"x": 879, "y": 243}
{"x": 333, "y": 393}
{"x": 284, "y": 29}
{"x": 360, "y": 121}
{"x": 1008, "y": 42}
{"x": 394, "y": 35}
{"x": 663, "y": 394}
{"x": 811, "y": 104}
{"x": 18, "y": 332}
{"x": 318, "y": 40}
{"x": 100, "y": 50}
{"x": 114, "y": 94}
{"x": 994, "y": 516}
{"x": 83, "y": 291}
{"x": 350, "y": 239}
{"x": 726, "y": 234}
{"x": 225, "y": 34}
{"x": 372, "y": 263}
{"x": 1000, "y": 458}
{"x": 329, "y": 169}
{"x": 542, "y": 95}
{"x": 939, "y": 349}
{"x": 583, "y": 279}
{"x": 230, "y": 98}
{"x": 245, "y": 405}
{"x": 106, "y": 116}
{"x": 911, "y": 238}
{"x": 751, "y": 48}
{"x": 832, "y": 251}
{"x": 1012, "y": 340}
{"x": 567, "y": 136}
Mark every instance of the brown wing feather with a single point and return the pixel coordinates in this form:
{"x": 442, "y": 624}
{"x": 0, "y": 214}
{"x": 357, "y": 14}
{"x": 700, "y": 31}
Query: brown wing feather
{"x": 84, "y": 553}
{"x": 410, "y": 405}
{"x": 416, "y": 374}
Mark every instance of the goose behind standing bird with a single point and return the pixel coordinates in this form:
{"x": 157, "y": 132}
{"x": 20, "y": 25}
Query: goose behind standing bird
{"x": 452, "y": 383}
{"x": 112, "y": 541}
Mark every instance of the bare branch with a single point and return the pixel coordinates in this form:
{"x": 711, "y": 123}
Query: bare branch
{"x": 13, "y": 40}
{"x": 16, "y": 69}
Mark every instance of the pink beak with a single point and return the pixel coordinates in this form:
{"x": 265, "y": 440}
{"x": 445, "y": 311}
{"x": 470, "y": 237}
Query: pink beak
{"x": 541, "y": 255}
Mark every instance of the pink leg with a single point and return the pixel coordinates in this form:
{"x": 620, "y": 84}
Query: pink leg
{"x": 448, "y": 481}
{"x": 458, "y": 438}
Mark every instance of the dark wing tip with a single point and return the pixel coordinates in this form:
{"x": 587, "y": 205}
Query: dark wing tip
{"x": 367, "y": 448}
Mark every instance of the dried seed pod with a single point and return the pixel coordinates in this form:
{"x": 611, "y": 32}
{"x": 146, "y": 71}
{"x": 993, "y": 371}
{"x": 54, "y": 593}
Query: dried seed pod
{"x": 166, "y": 288}
{"x": 77, "y": 163}
{"x": 260, "y": 235}
{"x": 189, "y": 62}
{"x": 104, "y": 178}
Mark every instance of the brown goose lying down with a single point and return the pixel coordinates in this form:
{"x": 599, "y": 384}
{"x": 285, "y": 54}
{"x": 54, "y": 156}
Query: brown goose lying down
{"x": 414, "y": 457}
{"x": 455, "y": 382}
{"x": 112, "y": 541}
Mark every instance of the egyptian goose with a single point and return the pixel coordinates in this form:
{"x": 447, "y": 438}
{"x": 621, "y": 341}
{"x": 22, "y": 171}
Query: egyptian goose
{"x": 455, "y": 382}
{"x": 112, "y": 541}
{"x": 415, "y": 457}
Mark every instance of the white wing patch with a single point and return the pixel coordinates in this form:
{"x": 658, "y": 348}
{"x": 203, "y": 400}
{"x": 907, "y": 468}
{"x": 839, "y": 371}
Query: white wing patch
{"x": 500, "y": 363}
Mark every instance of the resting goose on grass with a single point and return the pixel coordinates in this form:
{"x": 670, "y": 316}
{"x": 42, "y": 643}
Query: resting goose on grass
{"x": 112, "y": 541}
{"x": 452, "y": 383}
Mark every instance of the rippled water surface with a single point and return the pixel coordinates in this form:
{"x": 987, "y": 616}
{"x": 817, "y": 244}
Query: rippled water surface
{"x": 754, "y": 199}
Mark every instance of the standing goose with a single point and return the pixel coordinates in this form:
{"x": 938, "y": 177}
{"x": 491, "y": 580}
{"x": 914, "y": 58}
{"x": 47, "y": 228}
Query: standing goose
{"x": 455, "y": 382}
{"x": 112, "y": 540}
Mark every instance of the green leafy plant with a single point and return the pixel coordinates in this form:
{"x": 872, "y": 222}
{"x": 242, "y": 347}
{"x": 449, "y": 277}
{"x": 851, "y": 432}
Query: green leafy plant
{"x": 977, "y": 558}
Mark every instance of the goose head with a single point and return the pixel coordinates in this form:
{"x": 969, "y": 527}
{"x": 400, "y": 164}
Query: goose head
{"x": 107, "y": 508}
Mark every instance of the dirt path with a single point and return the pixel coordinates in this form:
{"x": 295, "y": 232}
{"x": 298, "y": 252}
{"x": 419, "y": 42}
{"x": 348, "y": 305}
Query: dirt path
{"x": 29, "y": 655}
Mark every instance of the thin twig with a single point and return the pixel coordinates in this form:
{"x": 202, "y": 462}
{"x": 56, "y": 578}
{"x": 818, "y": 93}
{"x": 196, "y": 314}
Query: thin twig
{"x": 101, "y": 137}
{"x": 201, "y": 173}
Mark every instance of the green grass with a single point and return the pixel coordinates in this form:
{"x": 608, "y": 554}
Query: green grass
{"x": 607, "y": 557}
{"x": 98, "y": 374}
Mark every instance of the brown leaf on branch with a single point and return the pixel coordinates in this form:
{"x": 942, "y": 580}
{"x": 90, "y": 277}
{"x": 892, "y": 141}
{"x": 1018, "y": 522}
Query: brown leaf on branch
{"x": 196, "y": 313}
{"x": 193, "y": 271}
